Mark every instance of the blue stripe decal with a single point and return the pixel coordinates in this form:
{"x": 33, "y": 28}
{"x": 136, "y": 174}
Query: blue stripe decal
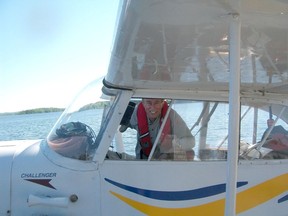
{"x": 176, "y": 195}
{"x": 283, "y": 199}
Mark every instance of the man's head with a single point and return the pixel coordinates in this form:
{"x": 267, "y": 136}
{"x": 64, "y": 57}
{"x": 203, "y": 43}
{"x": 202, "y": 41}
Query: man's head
{"x": 153, "y": 107}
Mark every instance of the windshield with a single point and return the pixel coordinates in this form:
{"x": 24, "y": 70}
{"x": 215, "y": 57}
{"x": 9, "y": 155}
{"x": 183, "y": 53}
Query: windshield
{"x": 74, "y": 134}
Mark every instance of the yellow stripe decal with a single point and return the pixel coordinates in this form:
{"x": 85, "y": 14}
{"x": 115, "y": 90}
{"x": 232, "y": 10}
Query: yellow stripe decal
{"x": 246, "y": 200}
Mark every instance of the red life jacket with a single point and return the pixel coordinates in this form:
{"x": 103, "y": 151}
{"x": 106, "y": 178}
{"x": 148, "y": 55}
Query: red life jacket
{"x": 144, "y": 136}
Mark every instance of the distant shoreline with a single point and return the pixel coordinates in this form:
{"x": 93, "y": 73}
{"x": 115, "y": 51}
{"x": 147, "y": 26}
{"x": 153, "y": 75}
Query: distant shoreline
{"x": 97, "y": 105}
{"x": 32, "y": 111}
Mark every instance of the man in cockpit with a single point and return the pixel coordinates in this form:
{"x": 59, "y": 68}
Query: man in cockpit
{"x": 278, "y": 129}
{"x": 277, "y": 140}
{"x": 147, "y": 118}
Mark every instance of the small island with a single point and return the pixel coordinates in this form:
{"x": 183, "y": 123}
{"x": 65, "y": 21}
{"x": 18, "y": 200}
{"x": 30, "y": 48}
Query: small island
{"x": 97, "y": 105}
{"x": 40, "y": 110}
{"x": 36, "y": 110}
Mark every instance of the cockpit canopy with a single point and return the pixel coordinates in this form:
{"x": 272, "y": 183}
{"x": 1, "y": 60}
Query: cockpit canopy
{"x": 74, "y": 135}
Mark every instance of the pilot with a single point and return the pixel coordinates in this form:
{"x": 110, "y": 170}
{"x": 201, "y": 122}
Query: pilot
{"x": 276, "y": 129}
{"x": 147, "y": 118}
{"x": 277, "y": 140}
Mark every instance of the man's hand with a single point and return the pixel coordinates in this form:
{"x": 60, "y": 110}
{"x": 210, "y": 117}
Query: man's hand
{"x": 166, "y": 144}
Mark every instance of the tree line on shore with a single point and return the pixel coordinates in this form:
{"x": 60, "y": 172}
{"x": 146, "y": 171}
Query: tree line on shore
{"x": 96, "y": 105}
{"x": 36, "y": 110}
{"x": 40, "y": 110}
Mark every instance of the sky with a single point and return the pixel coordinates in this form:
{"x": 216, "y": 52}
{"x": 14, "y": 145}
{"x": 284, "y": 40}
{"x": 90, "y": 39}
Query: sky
{"x": 51, "y": 49}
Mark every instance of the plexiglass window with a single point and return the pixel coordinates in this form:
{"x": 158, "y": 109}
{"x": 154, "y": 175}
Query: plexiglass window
{"x": 75, "y": 133}
{"x": 198, "y": 131}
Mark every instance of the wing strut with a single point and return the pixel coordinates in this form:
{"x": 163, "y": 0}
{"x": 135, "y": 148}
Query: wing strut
{"x": 234, "y": 114}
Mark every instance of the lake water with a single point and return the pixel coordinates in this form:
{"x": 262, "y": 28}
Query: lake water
{"x": 37, "y": 126}
{"x": 28, "y": 126}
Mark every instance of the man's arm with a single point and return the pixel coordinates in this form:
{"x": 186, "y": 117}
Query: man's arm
{"x": 185, "y": 139}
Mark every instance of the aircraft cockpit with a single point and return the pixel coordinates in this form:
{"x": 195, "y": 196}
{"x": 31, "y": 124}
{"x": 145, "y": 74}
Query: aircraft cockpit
{"x": 80, "y": 129}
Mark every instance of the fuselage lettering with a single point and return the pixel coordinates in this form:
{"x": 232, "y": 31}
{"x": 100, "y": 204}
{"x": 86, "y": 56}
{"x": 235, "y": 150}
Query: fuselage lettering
{"x": 38, "y": 175}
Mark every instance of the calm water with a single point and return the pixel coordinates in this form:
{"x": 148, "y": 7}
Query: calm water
{"x": 28, "y": 126}
{"x": 37, "y": 126}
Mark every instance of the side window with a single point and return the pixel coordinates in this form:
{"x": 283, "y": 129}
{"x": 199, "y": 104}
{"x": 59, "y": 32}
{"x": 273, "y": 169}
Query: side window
{"x": 209, "y": 125}
{"x": 198, "y": 131}
{"x": 264, "y": 132}
{"x": 190, "y": 131}
{"x": 175, "y": 140}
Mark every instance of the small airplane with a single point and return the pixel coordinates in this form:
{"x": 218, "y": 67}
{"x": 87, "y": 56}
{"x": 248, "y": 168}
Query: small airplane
{"x": 222, "y": 65}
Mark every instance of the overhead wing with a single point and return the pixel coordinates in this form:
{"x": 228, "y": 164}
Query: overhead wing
{"x": 185, "y": 45}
